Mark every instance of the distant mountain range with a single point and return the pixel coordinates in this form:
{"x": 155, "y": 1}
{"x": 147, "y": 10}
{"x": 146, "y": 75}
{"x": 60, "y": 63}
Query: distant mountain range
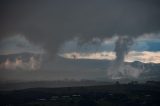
{"x": 50, "y": 84}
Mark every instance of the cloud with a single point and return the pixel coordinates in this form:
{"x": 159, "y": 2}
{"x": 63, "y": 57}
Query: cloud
{"x": 51, "y": 23}
{"x": 18, "y": 44}
{"x": 124, "y": 71}
{"x": 147, "y": 42}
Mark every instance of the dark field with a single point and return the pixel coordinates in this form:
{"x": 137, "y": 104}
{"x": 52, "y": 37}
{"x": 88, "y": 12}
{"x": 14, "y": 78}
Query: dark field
{"x": 108, "y": 95}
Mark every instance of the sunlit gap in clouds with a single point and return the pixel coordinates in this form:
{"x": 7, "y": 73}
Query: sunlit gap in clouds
{"x": 119, "y": 50}
{"x": 143, "y": 50}
{"x": 32, "y": 64}
{"x": 145, "y": 56}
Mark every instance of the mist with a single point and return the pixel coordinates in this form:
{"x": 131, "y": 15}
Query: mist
{"x": 50, "y": 24}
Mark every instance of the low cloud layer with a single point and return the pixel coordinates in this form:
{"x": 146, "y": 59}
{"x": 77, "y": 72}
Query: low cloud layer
{"x": 19, "y": 44}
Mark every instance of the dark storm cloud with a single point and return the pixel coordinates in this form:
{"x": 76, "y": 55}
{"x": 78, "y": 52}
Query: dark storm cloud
{"x": 50, "y": 23}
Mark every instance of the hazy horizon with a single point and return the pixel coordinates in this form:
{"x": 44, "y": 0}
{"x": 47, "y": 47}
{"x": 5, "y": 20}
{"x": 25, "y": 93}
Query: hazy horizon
{"x": 95, "y": 40}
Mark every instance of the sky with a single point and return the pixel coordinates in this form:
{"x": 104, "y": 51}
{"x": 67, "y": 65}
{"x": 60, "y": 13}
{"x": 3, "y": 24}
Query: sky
{"x": 60, "y": 31}
{"x": 145, "y": 49}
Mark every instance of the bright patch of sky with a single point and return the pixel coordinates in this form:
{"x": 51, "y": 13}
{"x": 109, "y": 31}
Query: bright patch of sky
{"x": 145, "y": 56}
{"x": 145, "y": 49}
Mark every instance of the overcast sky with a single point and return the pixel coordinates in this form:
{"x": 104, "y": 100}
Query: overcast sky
{"x": 119, "y": 31}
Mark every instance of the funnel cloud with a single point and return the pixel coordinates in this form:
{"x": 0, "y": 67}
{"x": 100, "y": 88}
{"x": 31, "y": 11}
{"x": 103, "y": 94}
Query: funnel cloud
{"x": 47, "y": 26}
